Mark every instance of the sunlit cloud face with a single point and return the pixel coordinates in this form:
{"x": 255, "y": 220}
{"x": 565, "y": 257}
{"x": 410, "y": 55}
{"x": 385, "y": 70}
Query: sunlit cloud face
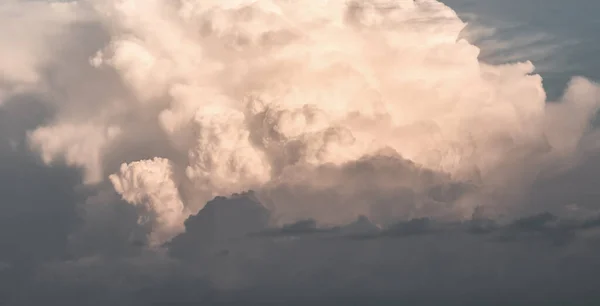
{"x": 382, "y": 152}
{"x": 296, "y": 101}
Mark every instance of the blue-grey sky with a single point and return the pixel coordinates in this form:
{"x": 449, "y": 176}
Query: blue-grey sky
{"x": 571, "y": 28}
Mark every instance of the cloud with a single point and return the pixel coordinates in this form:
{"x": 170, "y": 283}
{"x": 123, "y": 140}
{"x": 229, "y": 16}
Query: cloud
{"x": 220, "y": 259}
{"x": 153, "y": 185}
{"x": 402, "y": 261}
{"x": 385, "y": 158}
{"x": 241, "y": 95}
{"x": 384, "y": 186}
{"x": 34, "y": 26}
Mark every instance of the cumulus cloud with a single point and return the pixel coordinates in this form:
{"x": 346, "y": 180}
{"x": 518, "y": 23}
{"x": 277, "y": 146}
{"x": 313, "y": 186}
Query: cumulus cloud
{"x": 354, "y": 123}
{"x": 254, "y": 94}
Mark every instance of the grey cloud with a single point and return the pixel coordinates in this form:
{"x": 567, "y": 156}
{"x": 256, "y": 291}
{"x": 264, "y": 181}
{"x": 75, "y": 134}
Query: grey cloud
{"x": 383, "y": 186}
{"x": 220, "y": 260}
{"x": 222, "y": 220}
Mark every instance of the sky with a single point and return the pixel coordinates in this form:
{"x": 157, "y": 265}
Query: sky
{"x": 299, "y": 152}
{"x": 564, "y": 32}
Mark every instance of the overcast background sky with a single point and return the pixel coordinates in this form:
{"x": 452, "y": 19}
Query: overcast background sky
{"x": 45, "y": 230}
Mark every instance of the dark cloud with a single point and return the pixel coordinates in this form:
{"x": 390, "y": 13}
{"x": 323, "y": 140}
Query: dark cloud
{"x": 231, "y": 255}
{"x": 221, "y": 221}
{"x": 421, "y": 261}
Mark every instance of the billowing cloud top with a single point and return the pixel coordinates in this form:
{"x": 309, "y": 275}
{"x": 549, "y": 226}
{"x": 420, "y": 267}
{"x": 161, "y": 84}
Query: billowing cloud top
{"x": 285, "y": 151}
{"x": 327, "y": 109}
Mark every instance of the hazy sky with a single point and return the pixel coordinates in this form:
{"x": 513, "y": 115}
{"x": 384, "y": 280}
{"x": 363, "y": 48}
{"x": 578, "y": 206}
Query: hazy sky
{"x": 388, "y": 165}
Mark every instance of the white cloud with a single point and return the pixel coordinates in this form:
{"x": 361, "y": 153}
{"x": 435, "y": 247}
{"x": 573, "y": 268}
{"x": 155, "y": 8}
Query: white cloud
{"x": 385, "y": 157}
{"x": 238, "y": 95}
